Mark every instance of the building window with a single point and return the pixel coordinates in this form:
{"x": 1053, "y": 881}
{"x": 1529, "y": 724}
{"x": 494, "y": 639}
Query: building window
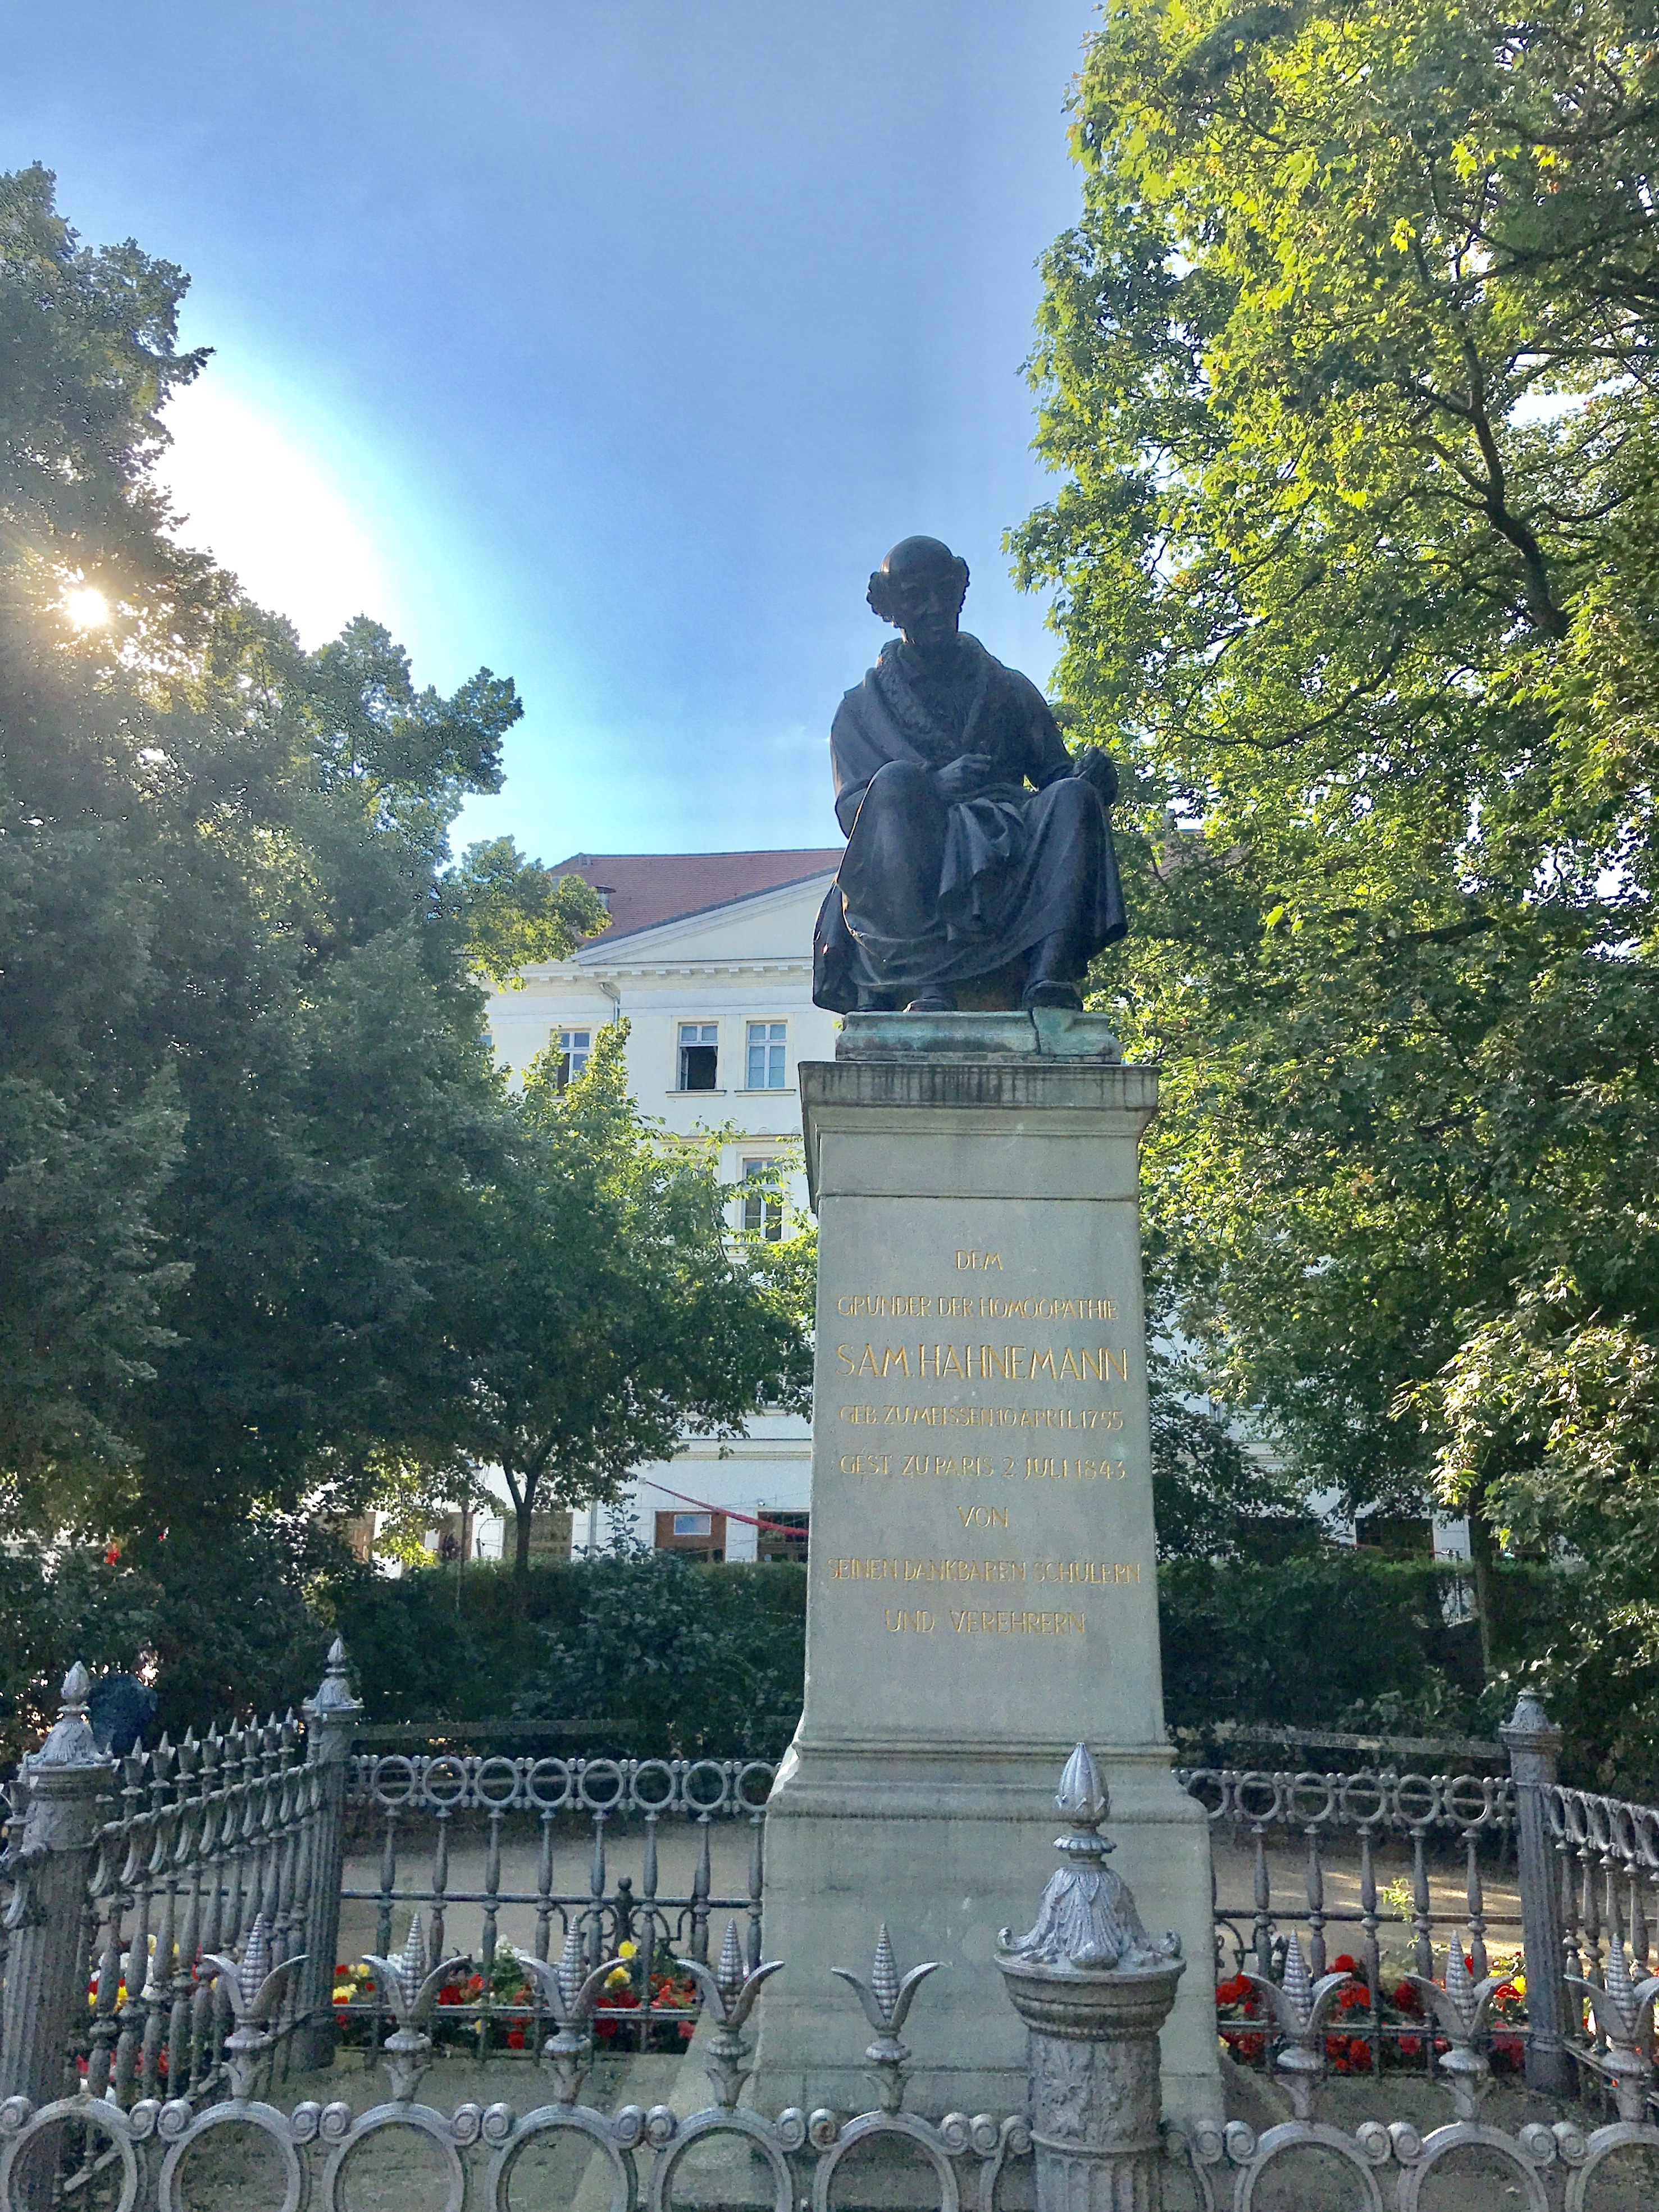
{"x": 574, "y": 1046}
{"x": 695, "y": 1536}
{"x": 762, "y": 1206}
{"x": 766, "y": 1056}
{"x": 700, "y": 1055}
{"x": 781, "y": 1535}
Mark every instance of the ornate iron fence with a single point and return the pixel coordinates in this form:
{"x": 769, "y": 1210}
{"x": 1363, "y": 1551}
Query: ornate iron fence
{"x": 413, "y": 1807}
{"x": 120, "y": 1883}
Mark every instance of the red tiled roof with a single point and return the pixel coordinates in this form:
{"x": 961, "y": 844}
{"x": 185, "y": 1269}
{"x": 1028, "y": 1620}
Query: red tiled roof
{"x": 643, "y": 888}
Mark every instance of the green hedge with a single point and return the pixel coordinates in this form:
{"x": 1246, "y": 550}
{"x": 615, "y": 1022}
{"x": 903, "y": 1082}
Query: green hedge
{"x": 647, "y": 1655}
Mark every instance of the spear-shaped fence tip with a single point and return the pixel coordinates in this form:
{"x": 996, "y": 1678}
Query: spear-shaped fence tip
{"x": 412, "y": 1966}
{"x": 883, "y": 1974}
{"x": 256, "y": 1961}
{"x": 573, "y": 1967}
{"x": 728, "y": 1974}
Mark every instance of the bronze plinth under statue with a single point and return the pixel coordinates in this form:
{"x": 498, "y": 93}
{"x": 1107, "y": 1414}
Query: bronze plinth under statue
{"x": 979, "y": 869}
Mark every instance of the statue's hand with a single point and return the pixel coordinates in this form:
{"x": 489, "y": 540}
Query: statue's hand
{"x": 964, "y": 778}
{"x": 1097, "y": 767}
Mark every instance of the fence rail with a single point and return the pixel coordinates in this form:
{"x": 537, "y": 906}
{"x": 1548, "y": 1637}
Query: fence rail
{"x": 119, "y": 1880}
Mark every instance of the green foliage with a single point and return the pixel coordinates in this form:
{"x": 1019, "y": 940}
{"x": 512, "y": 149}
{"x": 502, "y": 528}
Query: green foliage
{"x": 683, "y": 1660}
{"x": 610, "y": 1312}
{"x": 273, "y": 1237}
{"x": 1211, "y": 1498}
{"x": 1304, "y": 1642}
{"x": 1345, "y": 371}
{"x": 515, "y": 912}
{"x": 56, "y": 1607}
{"x": 642, "y": 1654}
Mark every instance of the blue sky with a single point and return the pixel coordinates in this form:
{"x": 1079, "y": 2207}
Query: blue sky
{"x": 608, "y": 345}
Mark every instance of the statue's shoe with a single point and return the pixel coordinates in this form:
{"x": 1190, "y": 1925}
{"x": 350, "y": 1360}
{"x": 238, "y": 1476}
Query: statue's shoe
{"x": 1052, "y": 994}
{"x": 934, "y": 1002}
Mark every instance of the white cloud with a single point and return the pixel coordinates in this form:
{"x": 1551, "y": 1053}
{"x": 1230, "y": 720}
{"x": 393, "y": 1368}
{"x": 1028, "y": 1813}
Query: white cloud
{"x": 269, "y": 508}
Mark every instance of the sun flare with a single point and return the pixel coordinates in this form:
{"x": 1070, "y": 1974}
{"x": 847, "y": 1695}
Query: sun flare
{"x": 86, "y": 608}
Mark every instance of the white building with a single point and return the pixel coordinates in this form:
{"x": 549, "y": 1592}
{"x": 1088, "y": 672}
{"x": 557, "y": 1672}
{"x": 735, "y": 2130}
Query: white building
{"x": 709, "y": 957}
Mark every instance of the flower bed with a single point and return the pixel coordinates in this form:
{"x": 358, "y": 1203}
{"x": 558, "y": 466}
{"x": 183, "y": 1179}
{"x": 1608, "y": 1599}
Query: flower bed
{"x": 640, "y": 2009}
{"x": 1392, "y": 2034}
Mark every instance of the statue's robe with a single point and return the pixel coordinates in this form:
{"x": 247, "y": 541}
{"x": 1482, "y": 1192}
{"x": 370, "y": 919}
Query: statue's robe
{"x": 933, "y": 892}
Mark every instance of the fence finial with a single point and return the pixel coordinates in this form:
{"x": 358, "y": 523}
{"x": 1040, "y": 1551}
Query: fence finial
{"x": 334, "y": 1691}
{"x": 71, "y": 1742}
{"x": 1087, "y": 1916}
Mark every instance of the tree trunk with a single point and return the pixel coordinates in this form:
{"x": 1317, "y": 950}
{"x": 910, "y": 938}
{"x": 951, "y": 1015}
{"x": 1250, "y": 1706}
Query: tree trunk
{"x": 524, "y": 1498}
{"x": 1482, "y": 1559}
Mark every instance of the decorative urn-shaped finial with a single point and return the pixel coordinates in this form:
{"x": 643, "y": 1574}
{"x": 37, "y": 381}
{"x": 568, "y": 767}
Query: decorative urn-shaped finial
{"x": 1093, "y": 1989}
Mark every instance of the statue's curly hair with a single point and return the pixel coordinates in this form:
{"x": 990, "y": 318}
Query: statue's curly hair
{"x": 884, "y": 583}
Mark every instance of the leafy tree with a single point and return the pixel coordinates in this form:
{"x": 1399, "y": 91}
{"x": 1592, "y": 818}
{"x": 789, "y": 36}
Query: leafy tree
{"x": 1346, "y": 370}
{"x": 608, "y": 1309}
{"x": 260, "y": 1182}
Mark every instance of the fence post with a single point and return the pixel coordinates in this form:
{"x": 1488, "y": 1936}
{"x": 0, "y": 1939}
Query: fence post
{"x": 331, "y": 1731}
{"x": 1534, "y": 1744}
{"x": 1093, "y": 1990}
{"x": 44, "y": 1966}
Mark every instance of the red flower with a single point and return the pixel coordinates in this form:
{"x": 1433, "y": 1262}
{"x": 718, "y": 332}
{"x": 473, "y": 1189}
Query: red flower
{"x": 515, "y": 2039}
{"x": 1356, "y": 1999}
{"x": 112, "y": 1555}
{"x": 1344, "y": 1963}
{"x": 1406, "y": 1997}
{"x": 1410, "y": 2046}
{"x": 341, "y": 2015}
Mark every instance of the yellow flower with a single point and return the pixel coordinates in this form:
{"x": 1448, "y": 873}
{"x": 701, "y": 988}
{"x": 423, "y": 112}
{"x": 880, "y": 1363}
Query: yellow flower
{"x": 617, "y": 1979}
{"x": 1519, "y": 1982}
{"x": 628, "y": 1950}
{"x": 344, "y": 1992}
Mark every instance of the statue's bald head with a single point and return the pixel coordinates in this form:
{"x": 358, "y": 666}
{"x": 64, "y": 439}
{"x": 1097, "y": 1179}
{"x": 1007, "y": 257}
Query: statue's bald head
{"x": 913, "y": 563}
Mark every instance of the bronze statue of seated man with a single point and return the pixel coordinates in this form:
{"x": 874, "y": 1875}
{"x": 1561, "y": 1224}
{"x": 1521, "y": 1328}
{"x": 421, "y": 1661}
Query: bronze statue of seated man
{"x": 979, "y": 868}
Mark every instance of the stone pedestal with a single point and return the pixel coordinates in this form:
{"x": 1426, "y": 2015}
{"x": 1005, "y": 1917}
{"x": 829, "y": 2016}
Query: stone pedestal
{"x": 982, "y": 1592}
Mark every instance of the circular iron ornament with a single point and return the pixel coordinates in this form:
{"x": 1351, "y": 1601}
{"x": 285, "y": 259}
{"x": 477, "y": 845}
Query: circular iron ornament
{"x": 563, "y": 2119}
{"x": 722, "y": 1775}
{"x": 1470, "y": 2135}
{"x": 1312, "y": 1800}
{"x": 419, "y": 2118}
{"x": 551, "y": 1788}
{"x": 1619, "y": 2134}
{"x": 1307, "y": 2134}
{"x": 1363, "y": 1799}
{"x": 498, "y": 1781}
{"x": 952, "y": 2134}
{"x": 275, "y": 2126}
{"x": 445, "y": 1781}
{"x": 654, "y": 1770}
{"x": 1417, "y": 1800}
{"x": 95, "y": 2113}
{"x": 1249, "y": 1791}
{"x": 726, "y": 2121}
{"x": 602, "y": 1771}
{"x": 765, "y": 1767}
{"x": 1470, "y": 1801}
{"x": 1208, "y": 1786}
{"x": 385, "y": 1774}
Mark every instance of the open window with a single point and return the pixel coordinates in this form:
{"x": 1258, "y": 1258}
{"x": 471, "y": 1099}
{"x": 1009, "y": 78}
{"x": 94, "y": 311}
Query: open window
{"x": 700, "y": 1055}
{"x": 575, "y": 1047}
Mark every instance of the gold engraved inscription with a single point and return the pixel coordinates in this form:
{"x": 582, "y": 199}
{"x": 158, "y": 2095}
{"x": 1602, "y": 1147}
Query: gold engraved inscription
{"x": 1103, "y": 1573}
{"x": 989, "y": 1362}
{"x": 984, "y": 1622}
{"x": 983, "y": 1417}
{"x": 966, "y": 1305}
